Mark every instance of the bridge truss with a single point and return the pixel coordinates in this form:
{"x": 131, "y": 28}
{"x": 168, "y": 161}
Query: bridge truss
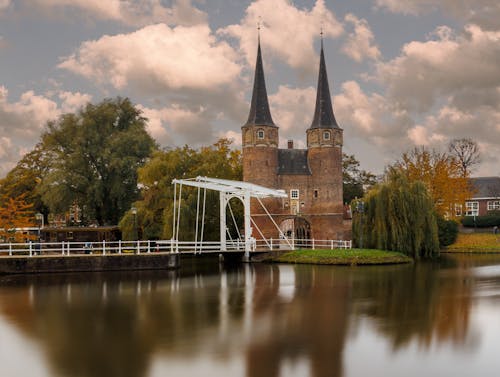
{"x": 228, "y": 190}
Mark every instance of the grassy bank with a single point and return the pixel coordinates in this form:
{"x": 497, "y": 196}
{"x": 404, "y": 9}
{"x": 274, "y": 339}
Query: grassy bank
{"x": 341, "y": 257}
{"x": 475, "y": 243}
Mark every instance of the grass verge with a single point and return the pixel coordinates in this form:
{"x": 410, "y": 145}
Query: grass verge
{"x": 341, "y": 257}
{"x": 475, "y": 243}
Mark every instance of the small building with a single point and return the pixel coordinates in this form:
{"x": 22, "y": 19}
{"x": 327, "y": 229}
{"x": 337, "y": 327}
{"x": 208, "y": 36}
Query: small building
{"x": 486, "y": 197}
{"x": 80, "y": 234}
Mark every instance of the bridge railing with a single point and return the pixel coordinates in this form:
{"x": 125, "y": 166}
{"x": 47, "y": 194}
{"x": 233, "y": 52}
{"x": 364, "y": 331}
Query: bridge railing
{"x": 149, "y": 246}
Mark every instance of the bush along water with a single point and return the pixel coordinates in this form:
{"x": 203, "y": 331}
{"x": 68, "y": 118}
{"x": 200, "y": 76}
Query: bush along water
{"x": 447, "y": 231}
{"x": 397, "y": 215}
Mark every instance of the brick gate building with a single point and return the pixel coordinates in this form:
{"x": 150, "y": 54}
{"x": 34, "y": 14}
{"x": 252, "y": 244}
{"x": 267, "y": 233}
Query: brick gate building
{"x": 312, "y": 177}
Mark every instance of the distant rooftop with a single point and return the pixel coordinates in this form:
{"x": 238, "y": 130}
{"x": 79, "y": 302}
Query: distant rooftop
{"x": 486, "y": 187}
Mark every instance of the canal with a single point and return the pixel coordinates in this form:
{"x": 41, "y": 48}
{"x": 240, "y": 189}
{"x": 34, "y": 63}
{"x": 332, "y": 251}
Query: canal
{"x": 256, "y": 320}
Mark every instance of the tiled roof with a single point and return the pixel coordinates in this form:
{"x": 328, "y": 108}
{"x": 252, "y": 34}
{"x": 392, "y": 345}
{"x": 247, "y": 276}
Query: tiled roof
{"x": 323, "y": 112}
{"x": 260, "y": 114}
{"x": 486, "y": 187}
{"x": 293, "y": 161}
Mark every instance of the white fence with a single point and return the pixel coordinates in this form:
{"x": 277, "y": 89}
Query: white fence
{"x": 172, "y": 246}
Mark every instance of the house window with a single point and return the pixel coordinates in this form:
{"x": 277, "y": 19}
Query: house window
{"x": 494, "y": 205}
{"x": 471, "y": 208}
{"x": 260, "y": 134}
{"x": 294, "y": 194}
{"x": 458, "y": 210}
{"x": 326, "y": 135}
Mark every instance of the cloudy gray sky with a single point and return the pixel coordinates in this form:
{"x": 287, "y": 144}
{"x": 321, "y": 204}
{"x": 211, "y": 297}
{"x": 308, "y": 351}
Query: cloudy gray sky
{"x": 402, "y": 72}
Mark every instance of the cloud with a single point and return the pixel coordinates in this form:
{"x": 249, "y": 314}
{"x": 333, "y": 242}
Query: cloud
{"x": 360, "y": 43}
{"x": 72, "y": 102}
{"x": 131, "y": 12}
{"x": 22, "y": 121}
{"x": 157, "y": 58}
{"x": 179, "y": 125}
{"x": 449, "y": 65}
{"x": 293, "y": 110}
{"x": 288, "y": 32}
{"x": 481, "y": 12}
{"x": 4, "y": 4}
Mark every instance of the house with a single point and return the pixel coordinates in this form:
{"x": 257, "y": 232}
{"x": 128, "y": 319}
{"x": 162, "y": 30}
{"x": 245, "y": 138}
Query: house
{"x": 312, "y": 177}
{"x": 486, "y": 197}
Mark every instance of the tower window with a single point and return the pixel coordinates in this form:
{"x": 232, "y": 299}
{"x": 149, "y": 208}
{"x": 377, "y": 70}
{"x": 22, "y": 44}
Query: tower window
{"x": 326, "y": 135}
{"x": 316, "y": 193}
{"x": 260, "y": 134}
{"x": 294, "y": 194}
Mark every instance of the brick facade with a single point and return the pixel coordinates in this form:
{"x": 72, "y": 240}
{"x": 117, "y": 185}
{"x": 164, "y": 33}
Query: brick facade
{"x": 316, "y": 172}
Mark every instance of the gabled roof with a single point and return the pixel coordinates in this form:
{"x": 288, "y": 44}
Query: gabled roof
{"x": 486, "y": 187}
{"x": 260, "y": 114}
{"x": 323, "y": 113}
{"x": 293, "y": 161}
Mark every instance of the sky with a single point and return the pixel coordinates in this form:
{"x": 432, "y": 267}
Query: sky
{"x": 402, "y": 73}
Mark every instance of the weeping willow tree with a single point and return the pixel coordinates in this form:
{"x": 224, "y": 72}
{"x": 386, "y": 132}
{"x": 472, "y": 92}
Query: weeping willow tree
{"x": 397, "y": 215}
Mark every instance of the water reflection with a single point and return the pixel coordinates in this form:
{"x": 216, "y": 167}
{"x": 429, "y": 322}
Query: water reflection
{"x": 271, "y": 319}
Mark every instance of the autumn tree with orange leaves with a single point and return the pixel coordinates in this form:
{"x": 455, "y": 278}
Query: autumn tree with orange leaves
{"x": 442, "y": 175}
{"x": 15, "y": 213}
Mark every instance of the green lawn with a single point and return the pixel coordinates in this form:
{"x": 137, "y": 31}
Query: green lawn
{"x": 341, "y": 257}
{"x": 475, "y": 243}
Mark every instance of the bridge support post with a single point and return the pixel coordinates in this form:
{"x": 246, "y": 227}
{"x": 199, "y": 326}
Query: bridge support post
{"x": 222, "y": 220}
{"x": 248, "y": 225}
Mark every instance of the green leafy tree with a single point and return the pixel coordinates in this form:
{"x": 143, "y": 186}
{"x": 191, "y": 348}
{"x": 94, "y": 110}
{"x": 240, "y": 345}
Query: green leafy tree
{"x": 96, "y": 153}
{"x": 355, "y": 179}
{"x": 154, "y": 210}
{"x": 397, "y": 215}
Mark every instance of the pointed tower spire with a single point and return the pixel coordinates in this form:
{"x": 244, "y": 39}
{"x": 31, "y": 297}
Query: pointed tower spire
{"x": 323, "y": 113}
{"x": 260, "y": 114}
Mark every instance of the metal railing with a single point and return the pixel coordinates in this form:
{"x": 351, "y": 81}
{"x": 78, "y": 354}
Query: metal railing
{"x": 67, "y": 248}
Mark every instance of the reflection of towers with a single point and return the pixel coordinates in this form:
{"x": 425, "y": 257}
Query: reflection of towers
{"x": 311, "y": 327}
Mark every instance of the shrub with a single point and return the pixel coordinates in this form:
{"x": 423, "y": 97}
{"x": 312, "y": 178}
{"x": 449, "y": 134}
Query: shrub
{"x": 447, "y": 231}
{"x": 481, "y": 221}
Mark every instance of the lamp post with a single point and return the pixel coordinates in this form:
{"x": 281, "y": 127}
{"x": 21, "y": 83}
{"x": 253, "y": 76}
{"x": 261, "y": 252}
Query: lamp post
{"x": 134, "y": 212}
{"x": 40, "y": 224}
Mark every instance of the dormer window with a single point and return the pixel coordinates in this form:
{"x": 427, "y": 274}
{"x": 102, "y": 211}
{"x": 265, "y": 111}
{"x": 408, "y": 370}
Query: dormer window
{"x": 260, "y": 134}
{"x": 326, "y": 135}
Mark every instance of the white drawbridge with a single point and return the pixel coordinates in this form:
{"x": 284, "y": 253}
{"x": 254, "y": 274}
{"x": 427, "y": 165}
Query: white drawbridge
{"x": 228, "y": 190}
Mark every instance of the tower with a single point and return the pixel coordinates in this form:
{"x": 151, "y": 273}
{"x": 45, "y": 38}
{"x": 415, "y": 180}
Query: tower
{"x": 259, "y": 134}
{"x": 324, "y": 144}
{"x": 312, "y": 177}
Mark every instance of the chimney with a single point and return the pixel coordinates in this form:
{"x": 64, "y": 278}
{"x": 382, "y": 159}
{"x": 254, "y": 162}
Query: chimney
{"x": 290, "y": 144}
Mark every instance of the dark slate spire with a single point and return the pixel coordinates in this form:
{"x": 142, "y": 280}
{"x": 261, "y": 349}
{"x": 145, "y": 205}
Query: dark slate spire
{"x": 323, "y": 114}
{"x": 260, "y": 115}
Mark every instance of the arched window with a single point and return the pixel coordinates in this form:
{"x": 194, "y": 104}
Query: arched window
{"x": 326, "y": 135}
{"x": 260, "y": 134}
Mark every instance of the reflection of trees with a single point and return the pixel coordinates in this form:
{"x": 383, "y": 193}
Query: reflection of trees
{"x": 312, "y": 325}
{"x": 113, "y": 324}
{"x": 420, "y": 301}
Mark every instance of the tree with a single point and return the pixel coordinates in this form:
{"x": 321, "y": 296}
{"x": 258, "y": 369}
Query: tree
{"x": 96, "y": 153}
{"x": 154, "y": 210}
{"x": 466, "y": 152}
{"x": 355, "y": 180}
{"x": 25, "y": 178}
{"x": 397, "y": 215}
{"x": 441, "y": 174}
{"x": 15, "y": 213}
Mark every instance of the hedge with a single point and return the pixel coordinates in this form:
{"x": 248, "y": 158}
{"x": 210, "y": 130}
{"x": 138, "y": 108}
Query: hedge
{"x": 485, "y": 221}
